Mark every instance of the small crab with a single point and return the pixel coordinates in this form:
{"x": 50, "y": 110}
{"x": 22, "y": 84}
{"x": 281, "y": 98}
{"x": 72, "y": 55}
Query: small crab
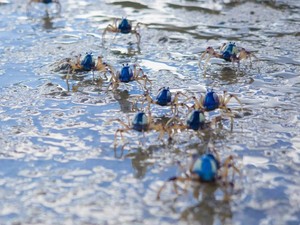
{"x": 141, "y": 122}
{"x": 164, "y": 98}
{"x": 127, "y": 74}
{"x": 206, "y": 168}
{"x": 87, "y": 63}
{"x": 58, "y": 6}
{"x": 194, "y": 121}
{"x": 123, "y": 27}
{"x": 229, "y": 52}
{"x": 212, "y": 101}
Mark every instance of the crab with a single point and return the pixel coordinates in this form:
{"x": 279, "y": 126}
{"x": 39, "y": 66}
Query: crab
{"x": 126, "y": 75}
{"x": 58, "y": 5}
{"x": 141, "y": 122}
{"x": 229, "y": 52}
{"x": 87, "y": 64}
{"x": 164, "y": 98}
{"x": 195, "y": 121}
{"x": 212, "y": 101}
{"x": 122, "y": 26}
{"x": 206, "y": 168}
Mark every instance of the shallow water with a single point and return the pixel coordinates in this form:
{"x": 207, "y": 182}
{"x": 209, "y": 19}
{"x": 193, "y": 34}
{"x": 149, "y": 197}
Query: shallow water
{"x": 58, "y": 164}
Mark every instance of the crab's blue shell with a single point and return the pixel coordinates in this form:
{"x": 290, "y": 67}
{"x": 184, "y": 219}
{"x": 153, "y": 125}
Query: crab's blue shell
{"x": 126, "y": 74}
{"x": 164, "y": 97}
{"x": 211, "y": 101}
{"x": 229, "y": 51}
{"x": 195, "y": 120}
{"x": 140, "y": 122}
{"x": 87, "y": 63}
{"x": 206, "y": 167}
{"x": 124, "y": 26}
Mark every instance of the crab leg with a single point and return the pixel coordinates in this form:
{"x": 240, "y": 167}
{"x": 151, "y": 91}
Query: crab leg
{"x": 120, "y": 131}
{"x": 227, "y": 164}
{"x": 58, "y": 6}
{"x": 110, "y": 28}
{"x": 173, "y": 180}
{"x": 226, "y": 100}
{"x": 197, "y": 104}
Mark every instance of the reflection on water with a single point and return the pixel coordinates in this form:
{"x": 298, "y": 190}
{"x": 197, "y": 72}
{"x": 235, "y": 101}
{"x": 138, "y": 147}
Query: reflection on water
{"x": 139, "y": 162}
{"x": 228, "y": 75}
{"x": 122, "y": 96}
{"x": 57, "y": 159}
{"x": 47, "y": 23}
{"x": 209, "y": 210}
{"x": 130, "y": 51}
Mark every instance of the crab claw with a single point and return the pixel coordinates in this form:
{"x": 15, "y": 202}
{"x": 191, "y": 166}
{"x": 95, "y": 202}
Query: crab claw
{"x": 207, "y": 51}
{"x": 244, "y": 54}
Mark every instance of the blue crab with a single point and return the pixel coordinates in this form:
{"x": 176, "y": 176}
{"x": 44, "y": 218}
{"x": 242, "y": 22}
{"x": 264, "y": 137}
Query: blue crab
{"x": 123, "y": 26}
{"x": 141, "y": 122}
{"x": 87, "y": 64}
{"x": 206, "y": 168}
{"x": 164, "y": 98}
{"x": 229, "y": 52}
{"x": 212, "y": 101}
{"x": 195, "y": 120}
{"x": 126, "y": 75}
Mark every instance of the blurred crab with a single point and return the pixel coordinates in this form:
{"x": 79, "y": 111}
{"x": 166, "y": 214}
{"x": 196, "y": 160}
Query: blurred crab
{"x": 141, "y": 122}
{"x": 206, "y": 168}
{"x": 56, "y": 2}
{"x": 123, "y": 27}
{"x": 164, "y": 98}
{"x": 127, "y": 74}
{"x": 229, "y": 52}
{"x": 195, "y": 121}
